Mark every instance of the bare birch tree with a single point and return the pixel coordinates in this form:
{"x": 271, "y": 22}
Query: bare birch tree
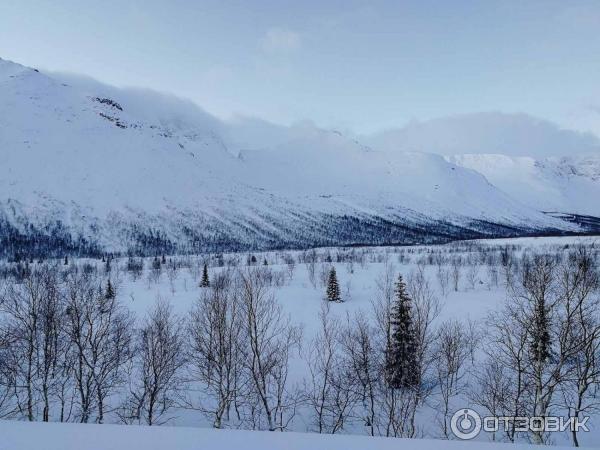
{"x": 270, "y": 338}
{"x": 215, "y": 351}
{"x": 158, "y": 360}
{"x": 101, "y": 331}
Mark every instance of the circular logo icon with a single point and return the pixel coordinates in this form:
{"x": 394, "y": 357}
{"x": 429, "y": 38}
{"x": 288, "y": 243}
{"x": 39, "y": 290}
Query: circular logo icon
{"x": 465, "y": 424}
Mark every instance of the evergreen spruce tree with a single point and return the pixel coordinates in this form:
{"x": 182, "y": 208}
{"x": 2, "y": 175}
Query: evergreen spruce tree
{"x": 110, "y": 292}
{"x": 205, "y": 281}
{"x": 401, "y": 359}
{"x": 66, "y": 260}
{"x": 333, "y": 288}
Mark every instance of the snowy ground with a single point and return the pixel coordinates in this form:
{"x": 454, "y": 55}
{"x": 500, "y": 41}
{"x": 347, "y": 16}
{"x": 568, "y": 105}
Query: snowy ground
{"x": 37, "y": 436}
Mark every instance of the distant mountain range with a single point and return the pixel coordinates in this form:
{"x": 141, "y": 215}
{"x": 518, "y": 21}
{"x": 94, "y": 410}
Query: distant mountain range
{"x": 88, "y": 169}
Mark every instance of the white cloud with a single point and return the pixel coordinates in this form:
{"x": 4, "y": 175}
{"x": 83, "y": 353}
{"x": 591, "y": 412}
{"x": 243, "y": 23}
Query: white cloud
{"x": 488, "y": 132}
{"x": 280, "y": 40}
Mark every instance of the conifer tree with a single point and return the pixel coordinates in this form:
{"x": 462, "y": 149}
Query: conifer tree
{"x": 66, "y": 260}
{"x": 110, "y": 292}
{"x": 205, "y": 281}
{"x": 333, "y": 288}
{"x": 401, "y": 359}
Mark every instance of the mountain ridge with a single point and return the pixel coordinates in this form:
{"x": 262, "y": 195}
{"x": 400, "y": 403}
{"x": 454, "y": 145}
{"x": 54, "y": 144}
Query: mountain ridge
{"x": 93, "y": 172}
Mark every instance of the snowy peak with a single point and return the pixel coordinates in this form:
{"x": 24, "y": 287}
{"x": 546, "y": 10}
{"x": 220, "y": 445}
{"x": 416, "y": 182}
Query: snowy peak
{"x": 73, "y": 145}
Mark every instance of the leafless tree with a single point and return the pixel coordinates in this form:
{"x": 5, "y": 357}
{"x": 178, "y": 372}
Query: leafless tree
{"x": 290, "y": 263}
{"x": 492, "y": 389}
{"x": 472, "y": 275}
{"x": 507, "y": 261}
{"x": 456, "y": 272}
{"x": 53, "y": 345}
{"x": 21, "y": 306}
{"x": 157, "y": 363}
{"x": 32, "y": 329}
{"x": 329, "y": 387}
{"x": 36, "y": 348}
{"x": 172, "y": 273}
{"x": 6, "y": 382}
{"x": 580, "y": 283}
{"x": 310, "y": 259}
{"x": 362, "y": 364}
{"x": 533, "y": 338}
{"x": 270, "y": 338}
{"x": 443, "y": 276}
{"x": 426, "y": 310}
{"x": 507, "y": 349}
{"x": 324, "y": 271}
{"x": 100, "y": 328}
{"x": 215, "y": 351}
{"x": 492, "y": 272}
{"x": 454, "y": 352}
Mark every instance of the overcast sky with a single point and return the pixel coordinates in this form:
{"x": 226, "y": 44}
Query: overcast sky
{"x": 353, "y": 65}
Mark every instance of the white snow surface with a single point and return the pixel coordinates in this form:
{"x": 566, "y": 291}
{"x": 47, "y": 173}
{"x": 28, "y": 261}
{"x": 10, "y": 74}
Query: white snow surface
{"x": 53, "y": 436}
{"x": 88, "y": 153}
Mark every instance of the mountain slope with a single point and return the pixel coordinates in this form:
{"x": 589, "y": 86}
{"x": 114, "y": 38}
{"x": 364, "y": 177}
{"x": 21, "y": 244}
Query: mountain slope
{"x": 92, "y": 169}
{"x": 564, "y": 185}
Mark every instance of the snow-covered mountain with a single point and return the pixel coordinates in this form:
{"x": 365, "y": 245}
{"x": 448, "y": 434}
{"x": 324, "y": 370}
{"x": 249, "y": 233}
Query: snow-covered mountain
{"x": 564, "y": 185}
{"x": 89, "y": 168}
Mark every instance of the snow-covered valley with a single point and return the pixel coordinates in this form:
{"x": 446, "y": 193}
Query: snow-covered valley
{"x": 465, "y": 283}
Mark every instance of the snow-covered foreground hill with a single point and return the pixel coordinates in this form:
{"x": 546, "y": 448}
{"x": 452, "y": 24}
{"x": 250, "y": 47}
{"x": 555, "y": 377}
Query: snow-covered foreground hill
{"x": 36, "y": 436}
{"x": 87, "y": 168}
